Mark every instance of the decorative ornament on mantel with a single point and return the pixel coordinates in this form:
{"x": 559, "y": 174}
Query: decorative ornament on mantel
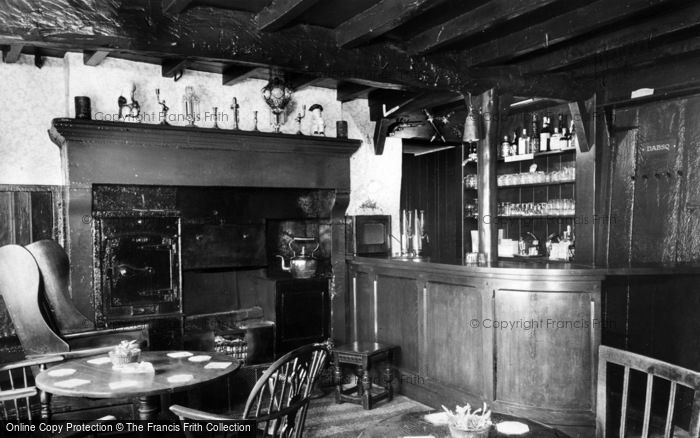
{"x": 191, "y": 104}
{"x": 277, "y": 95}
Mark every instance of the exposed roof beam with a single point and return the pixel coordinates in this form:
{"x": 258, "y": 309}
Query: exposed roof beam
{"x": 380, "y": 19}
{"x": 473, "y": 22}
{"x": 94, "y": 58}
{"x": 349, "y": 91}
{"x": 674, "y": 21}
{"x": 299, "y": 81}
{"x": 11, "y": 55}
{"x": 173, "y": 68}
{"x": 281, "y": 12}
{"x": 236, "y": 73}
{"x": 175, "y": 7}
{"x": 235, "y": 39}
{"x": 560, "y": 28}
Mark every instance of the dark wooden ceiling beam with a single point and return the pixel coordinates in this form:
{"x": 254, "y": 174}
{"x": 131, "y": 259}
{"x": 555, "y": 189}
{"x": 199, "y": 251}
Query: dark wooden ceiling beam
{"x": 558, "y": 29}
{"x": 299, "y": 81}
{"x": 235, "y": 39}
{"x": 175, "y": 7}
{"x": 173, "y": 68}
{"x": 618, "y": 42}
{"x": 347, "y": 91}
{"x": 94, "y": 58}
{"x": 473, "y": 22}
{"x": 11, "y": 55}
{"x": 235, "y": 74}
{"x": 380, "y": 19}
{"x": 282, "y": 12}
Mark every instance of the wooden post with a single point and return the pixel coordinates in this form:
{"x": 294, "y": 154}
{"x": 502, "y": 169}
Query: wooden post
{"x": 486, "y": 179}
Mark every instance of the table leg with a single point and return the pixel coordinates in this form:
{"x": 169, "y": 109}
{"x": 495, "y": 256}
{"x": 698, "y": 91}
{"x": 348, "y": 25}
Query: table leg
{"x": 366, "y": 390}
{"x": 389, "y": 376}
{"x": 45, "y": 400}
{"x": 148, "y": 408}
{"x": 338, "y": 381}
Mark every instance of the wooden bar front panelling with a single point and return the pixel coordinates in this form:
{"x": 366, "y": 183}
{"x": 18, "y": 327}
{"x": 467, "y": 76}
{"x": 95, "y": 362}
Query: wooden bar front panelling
{"x": 445, "y": 320}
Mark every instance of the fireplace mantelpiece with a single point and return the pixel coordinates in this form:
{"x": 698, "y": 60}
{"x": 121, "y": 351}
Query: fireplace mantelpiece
{"x": 95, "y": 152}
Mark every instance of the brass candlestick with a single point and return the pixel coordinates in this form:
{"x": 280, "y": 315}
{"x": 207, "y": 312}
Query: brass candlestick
{"x": 234, "y": 107}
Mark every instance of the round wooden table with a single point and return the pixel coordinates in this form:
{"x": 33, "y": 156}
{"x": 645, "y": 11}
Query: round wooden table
{"x": 413, "y": 424}
{"x": 171, "y": 374}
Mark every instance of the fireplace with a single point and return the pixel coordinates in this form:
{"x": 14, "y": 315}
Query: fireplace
{"x": 138, "y": 270}
{"x": 203, "y": 182}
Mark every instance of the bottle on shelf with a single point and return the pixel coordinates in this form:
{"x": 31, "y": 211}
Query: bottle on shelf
{"x": 534, "y": 136}
{"x": 565, "y": 139}
{"x": 555, "y": 140}
{"x": 523, "y": 143}
{"x": 514, "y": 143}
{"x": 545, "y": 134}
{"x": 573, "y": 144}
{"x": 505, "y": 147}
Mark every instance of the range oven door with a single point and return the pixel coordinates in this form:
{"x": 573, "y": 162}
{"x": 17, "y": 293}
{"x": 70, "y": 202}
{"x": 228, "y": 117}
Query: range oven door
{"x": 139, "y": 266}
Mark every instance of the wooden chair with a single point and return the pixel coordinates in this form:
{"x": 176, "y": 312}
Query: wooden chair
{"x": 35, "y": 291}
{"x": 280, "y": 398}
{"x": 653, "y": 368}
{"x": 18, "y": 395}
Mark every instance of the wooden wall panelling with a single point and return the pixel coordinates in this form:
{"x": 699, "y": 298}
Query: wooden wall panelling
{"x": 433, "y": 182}
{"x": 622, "y": 182}
{"x": 689, "y": 175}
{"x": 364, "y": 308}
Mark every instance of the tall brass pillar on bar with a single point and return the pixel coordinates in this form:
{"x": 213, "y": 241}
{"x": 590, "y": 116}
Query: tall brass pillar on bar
{"x": 486, "y": 180}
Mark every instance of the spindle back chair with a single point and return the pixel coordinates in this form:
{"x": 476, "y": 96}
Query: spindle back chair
{"x": 677, "y": 376}
{"x": 19, "y": 398}
{"x": 280, "y": 398}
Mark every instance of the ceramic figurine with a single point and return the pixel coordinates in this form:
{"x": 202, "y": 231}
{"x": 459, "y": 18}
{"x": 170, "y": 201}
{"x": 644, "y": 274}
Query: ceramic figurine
{"x": 318, "y": 126}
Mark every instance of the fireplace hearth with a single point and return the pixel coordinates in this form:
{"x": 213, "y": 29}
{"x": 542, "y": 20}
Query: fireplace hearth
{"x": 204, "y": 183}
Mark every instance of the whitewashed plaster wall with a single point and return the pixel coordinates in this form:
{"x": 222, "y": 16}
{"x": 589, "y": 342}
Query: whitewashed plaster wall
{"x": 32, "y": 97}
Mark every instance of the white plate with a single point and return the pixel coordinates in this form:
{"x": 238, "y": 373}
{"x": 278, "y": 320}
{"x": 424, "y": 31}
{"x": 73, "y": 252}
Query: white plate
{"x": 217, "y": 365}
{"x": 437, "y": 418}
{"x": 63, "y": 372}
{"x": 179, "y": 354}
{"x": 512, "y": 428}
{"x": 200, "y": 358}
{"x": 180, "y": 378}
{"x": 100, "y": 360}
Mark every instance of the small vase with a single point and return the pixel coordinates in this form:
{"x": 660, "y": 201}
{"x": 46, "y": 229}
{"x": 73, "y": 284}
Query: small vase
{"x": 458, "y": 433}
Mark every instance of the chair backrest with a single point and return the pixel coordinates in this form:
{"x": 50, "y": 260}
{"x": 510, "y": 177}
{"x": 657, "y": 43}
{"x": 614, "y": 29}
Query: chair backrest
{"x": 55, "y": 270}
{"x": 653, "y": 368}
{"x": 18, "y": 395}
{"x": 20, "y": 282}
{"x": 280, "y": 398}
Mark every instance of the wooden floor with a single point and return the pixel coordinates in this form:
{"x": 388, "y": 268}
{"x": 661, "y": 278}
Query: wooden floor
{"x": 347, "y": 420}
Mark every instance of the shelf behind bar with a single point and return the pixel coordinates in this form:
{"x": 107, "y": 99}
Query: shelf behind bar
{"x": 553, "y": 183}
{"x": 547, "y": 217}
{"x": 526, "y": 157}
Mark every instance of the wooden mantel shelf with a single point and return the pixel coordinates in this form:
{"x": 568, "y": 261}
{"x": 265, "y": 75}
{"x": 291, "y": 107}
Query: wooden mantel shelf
{"x": 64, "y": 130}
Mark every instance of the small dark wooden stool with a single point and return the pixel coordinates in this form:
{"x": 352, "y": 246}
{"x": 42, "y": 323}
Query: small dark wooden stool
{"x": 363, "y": 355}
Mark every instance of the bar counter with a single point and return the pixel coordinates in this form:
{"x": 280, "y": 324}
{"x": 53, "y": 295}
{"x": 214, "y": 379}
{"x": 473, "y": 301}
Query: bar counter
{"x": 521, "y": 336}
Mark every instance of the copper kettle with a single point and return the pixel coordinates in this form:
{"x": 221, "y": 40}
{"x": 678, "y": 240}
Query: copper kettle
{"x": 302, "y": 265}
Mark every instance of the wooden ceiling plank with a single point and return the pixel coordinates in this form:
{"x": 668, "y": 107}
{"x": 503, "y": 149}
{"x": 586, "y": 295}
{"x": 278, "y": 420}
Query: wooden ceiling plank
{"x": 11, "y": 55}
{"x": 94, "y": 58}
{"x": 674, "y": 21}
{"x": 380, "y": 19}
{"x": 558, "y": 29}
{"x": 235, "y": 74}
{"x": 171, "y": 68}
{"x": 175, "y": 7}
{"x": 473, "y": 22}
{"x": 347, "y": 91}
{"x": 281, "y": 12}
